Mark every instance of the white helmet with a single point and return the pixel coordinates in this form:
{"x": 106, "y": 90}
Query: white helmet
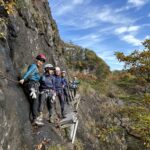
{"x": 48, "y": 66}
{"x": 57, "y": 69}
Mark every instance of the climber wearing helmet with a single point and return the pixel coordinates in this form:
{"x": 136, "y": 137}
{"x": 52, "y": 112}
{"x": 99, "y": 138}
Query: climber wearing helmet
{"x": 59, "y": 84}
{"x": 74, "y": 85}
{"x": 47, "y": 91}
{"x": 65, "y": 87}
{"x": 30, "y": 80}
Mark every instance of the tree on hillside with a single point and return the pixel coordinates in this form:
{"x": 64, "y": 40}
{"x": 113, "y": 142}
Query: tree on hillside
{"x": 138, "y": 62}
{"x": 83, "y": 59}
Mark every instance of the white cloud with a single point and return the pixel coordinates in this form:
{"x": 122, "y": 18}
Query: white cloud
{"x": 147, "y": 37}
{"x": 108, "y": 15}
{"x": 124, "y": 8}
{"x": 127, "y": 34}
{"x": 137, "y": 3}
{"x": 64, "y": 9}
{"x": 132, "y": 4}
{"x": 131, "y": 40}
{"x": 86, "y": 38}
{"x": 88, "y": 41}
{"x": 122, "y": 30}
{"x": 149, "y": 15}
{"x": 67, "y": 6}
{"x": 80, "y": 18}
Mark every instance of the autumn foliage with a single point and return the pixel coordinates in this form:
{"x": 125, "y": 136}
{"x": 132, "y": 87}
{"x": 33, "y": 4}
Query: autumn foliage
{"x": 138, "y": 62}
{"x": 86, "y": 61}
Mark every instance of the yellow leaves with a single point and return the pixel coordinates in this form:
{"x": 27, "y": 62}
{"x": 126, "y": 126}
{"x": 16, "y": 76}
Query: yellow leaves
{"x": 9, "y": 8}
{"x": 139, "y": 122}
{"x": 120, "y": 56}
{"x": 2, "y": 3}
{"x": 8, "y": 5}
{"x": 138, "y": 62}
{"x": 146, "y": 99}
{"x": 104, "y": 133}
{"x": 2, "y": 35}
{"x": 2, "y": 28}
{"x": 39, "y": 147}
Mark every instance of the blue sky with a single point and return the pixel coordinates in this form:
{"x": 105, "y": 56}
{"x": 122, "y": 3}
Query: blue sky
{"x": 105, "y": 26}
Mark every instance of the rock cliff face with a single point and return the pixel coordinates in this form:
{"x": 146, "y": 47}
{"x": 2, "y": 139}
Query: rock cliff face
{"x": 26, "y": 29}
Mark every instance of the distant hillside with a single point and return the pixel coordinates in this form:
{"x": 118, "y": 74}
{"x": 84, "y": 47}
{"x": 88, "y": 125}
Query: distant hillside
{"x": 85, "y": 60}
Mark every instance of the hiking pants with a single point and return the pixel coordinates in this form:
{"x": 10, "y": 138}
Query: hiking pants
{"x": 75, "y": 91}
{"x": 29, "y": 86}
{"x": 46, "y": 96}
{"x": 60, "y": 95}
{"x": 66, "y": 95}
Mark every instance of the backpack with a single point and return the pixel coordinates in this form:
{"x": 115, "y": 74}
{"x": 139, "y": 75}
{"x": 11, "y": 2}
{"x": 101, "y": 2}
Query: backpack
{"x": 23, "y": 70}
{"x": 73, "y": 86}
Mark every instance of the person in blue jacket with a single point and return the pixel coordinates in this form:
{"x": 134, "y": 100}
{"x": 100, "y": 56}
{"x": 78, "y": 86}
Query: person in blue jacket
{"x": 74, "y": 85}
{"x": 59, "y": 84}
{"x": 65, "y": 88}
{"x": 30, "y": 80}
{"x": 47, "y": 91}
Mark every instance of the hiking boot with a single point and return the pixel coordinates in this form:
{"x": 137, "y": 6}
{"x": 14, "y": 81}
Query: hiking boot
{"x": 39, "y": 123}
{"x": 63, "y": 116}
{"x": 40, "y": 117}
{"x": 51, "y": 119}
{"x": 67, "y": 102}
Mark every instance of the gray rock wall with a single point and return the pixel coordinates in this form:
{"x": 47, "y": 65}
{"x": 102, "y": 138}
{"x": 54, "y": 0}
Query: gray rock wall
{"x": 27, "y": 31}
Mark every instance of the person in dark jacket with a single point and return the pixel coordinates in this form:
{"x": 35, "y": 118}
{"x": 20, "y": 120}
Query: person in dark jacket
{"x": 59, "y": 84}
{"x": 30, "y": 80}
{"x": 74, "y": 85}
{"x": 65, "y": 87}
{"x": 47, "y": 91}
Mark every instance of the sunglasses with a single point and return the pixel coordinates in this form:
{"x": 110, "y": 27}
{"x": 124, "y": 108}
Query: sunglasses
{"x": 42, "y": 60}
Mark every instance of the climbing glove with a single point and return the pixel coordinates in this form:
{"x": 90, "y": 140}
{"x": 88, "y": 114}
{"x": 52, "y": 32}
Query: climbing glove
{"x": 33, "y": 93}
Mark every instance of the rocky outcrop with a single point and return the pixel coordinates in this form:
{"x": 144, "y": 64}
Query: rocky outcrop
{"x": 26, "y": 29}
{"x": 85, "y": 60}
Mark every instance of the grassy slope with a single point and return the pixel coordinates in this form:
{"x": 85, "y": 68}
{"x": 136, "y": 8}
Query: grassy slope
{"x": 102, "y": 97}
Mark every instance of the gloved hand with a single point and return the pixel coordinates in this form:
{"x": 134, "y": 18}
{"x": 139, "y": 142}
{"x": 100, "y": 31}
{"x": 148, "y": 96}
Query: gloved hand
{"x": 21, "y": 81}
{"x": 53, "y": 98}
{"x": 33, "y": 93}
{"x": 52, "y": 101}
{"x": 54, "y": 94}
